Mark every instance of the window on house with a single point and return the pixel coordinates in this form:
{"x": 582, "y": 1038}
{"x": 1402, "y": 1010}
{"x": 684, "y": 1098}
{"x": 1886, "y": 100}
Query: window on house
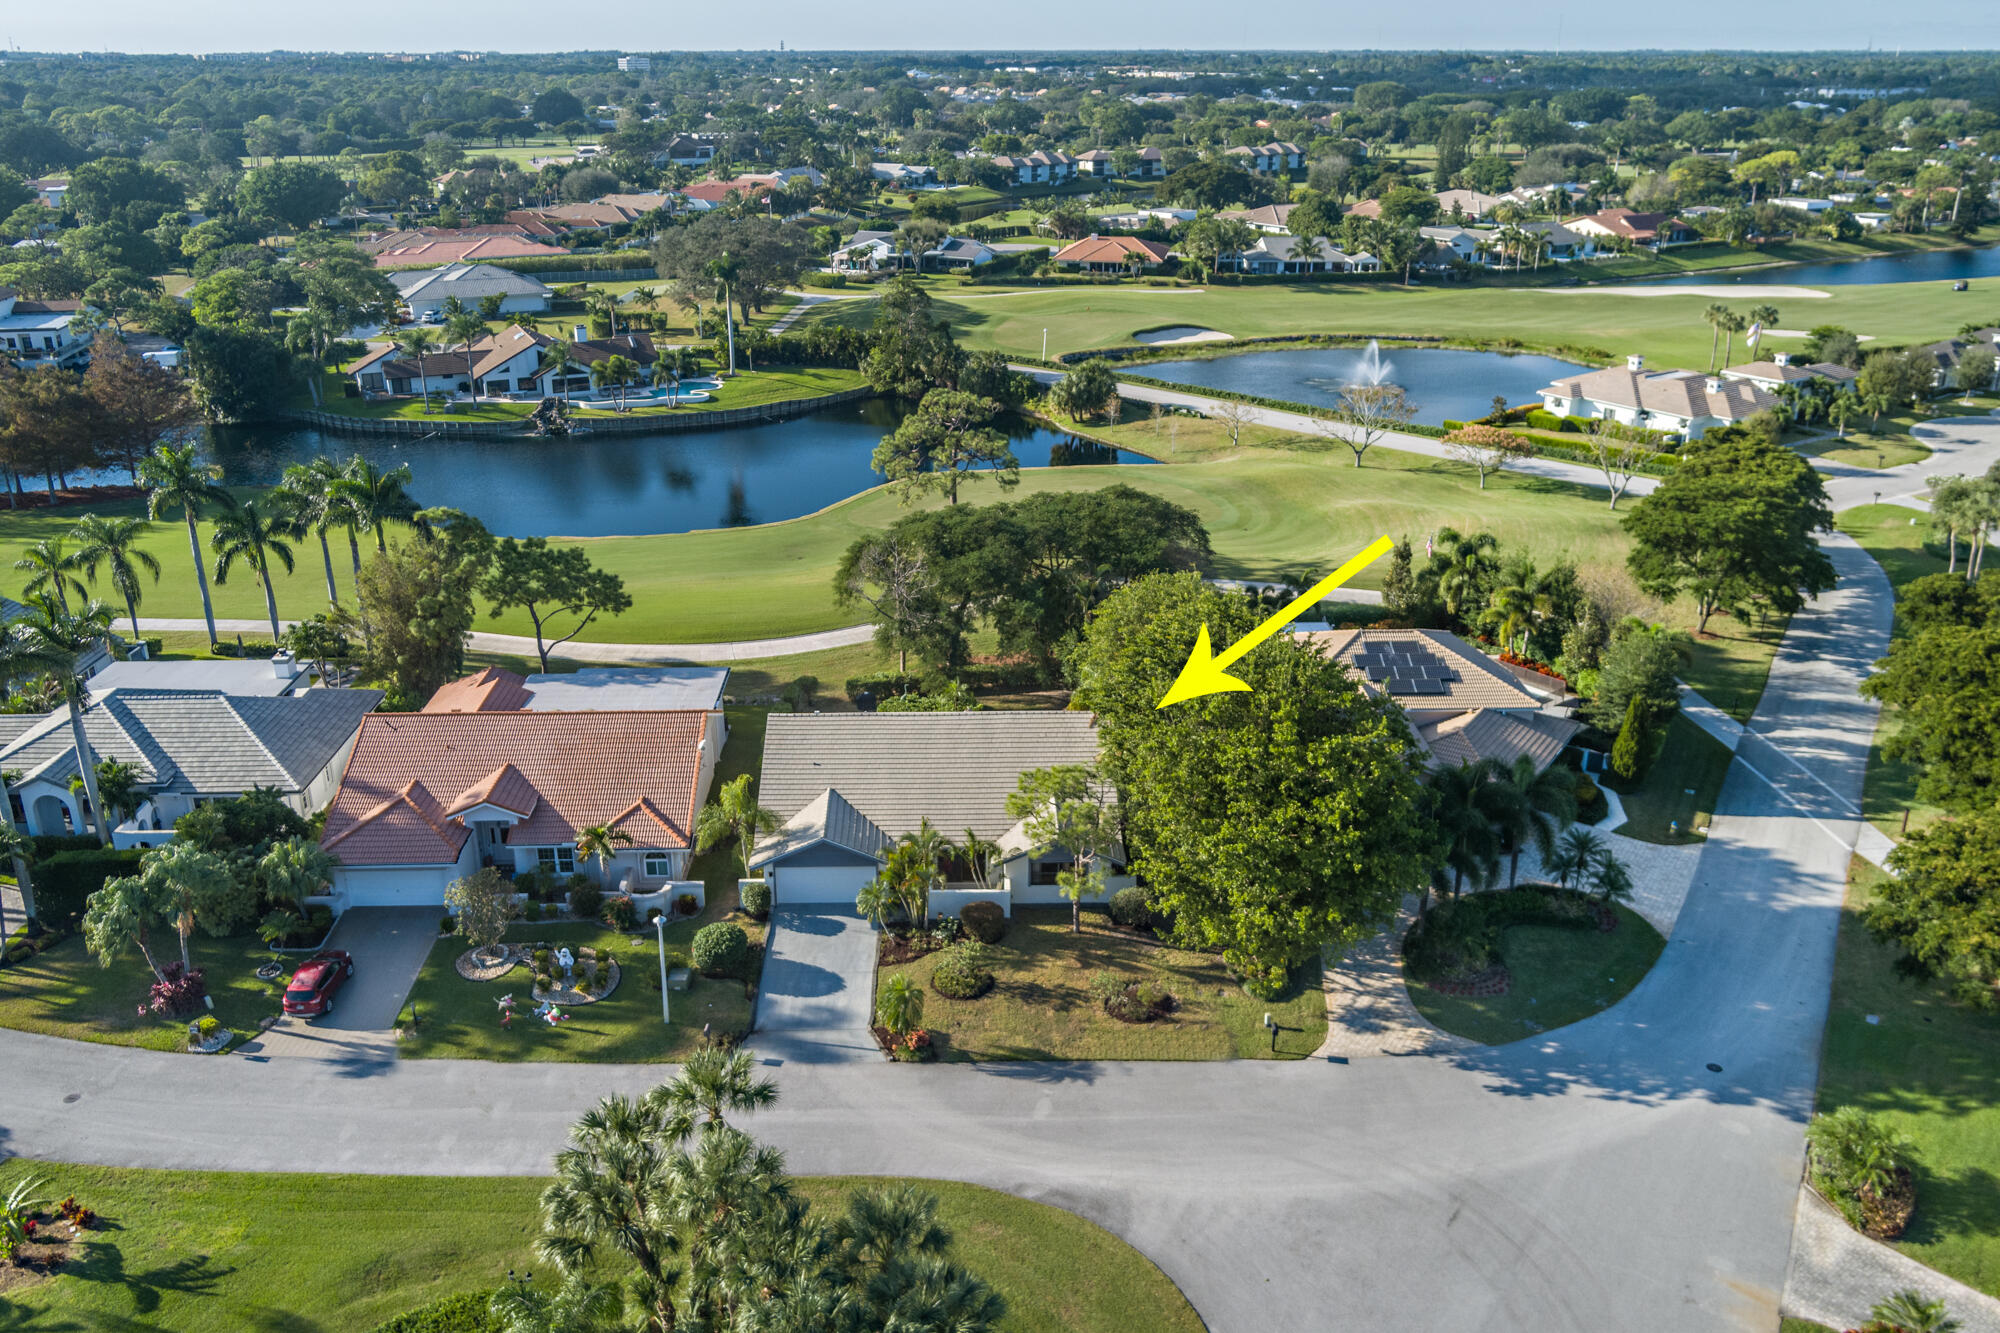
{"x": 659, "y": 865}
{"x": 1045, "y": 872}
{"x": 562, "y": 860}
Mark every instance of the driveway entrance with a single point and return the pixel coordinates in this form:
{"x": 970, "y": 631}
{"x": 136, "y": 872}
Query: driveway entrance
{"x": 389, "y": 945}
{"x": 818, "y": 991}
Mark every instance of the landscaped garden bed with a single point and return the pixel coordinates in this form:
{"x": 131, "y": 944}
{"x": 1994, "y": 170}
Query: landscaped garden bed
{"x": 1496, "y": 967}
{"x": 1052, "y": 994}
{"x": 64, "y": 992}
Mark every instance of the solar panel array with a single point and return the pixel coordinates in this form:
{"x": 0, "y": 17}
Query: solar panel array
{"x": 1406, "y": 667}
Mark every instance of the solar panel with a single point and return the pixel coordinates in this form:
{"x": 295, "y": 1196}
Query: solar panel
{"x": 1427, "y": 685}
{"x": 1378, "y": 672}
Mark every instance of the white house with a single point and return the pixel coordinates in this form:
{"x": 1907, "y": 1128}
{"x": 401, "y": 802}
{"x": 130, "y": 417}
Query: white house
{"x": 1038, "y": 168}
{"x": 1269, "y": 159}
{"x": 1097, "y": 162}
{"x": 425, "y": 291}
{"x": 38, "y": 333}
{"x": 872, "y": 251}
{"x": 188, "y": 747}
{"x": 903, "y": 173}
{"x": 847, "y": 785}
{"x": 1781, "y": 370}
{"x": 1685, "y": 403}
{"x": 1274, "y": 255}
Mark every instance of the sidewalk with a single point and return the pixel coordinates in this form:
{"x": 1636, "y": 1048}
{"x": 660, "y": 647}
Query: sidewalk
{"x": 1836, "y": 1274}
{"x": 737, "y": 650}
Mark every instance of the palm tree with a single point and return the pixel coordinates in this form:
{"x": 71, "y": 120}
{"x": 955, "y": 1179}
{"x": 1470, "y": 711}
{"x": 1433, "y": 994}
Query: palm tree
{"x": 733, "y": 815}
{"x": 730, "y": 1200}
{"x": 254, "y": 535}
{"x": 722, "y": 271}
{"x": 556, "y": 359}
{"x": 713, "y": 1082}
{"x": 63, "y": 639}
{"x": 466, "y": 328}
{"x": 371, "y": 500}
{"x": 599, "y": 843}
{"x": 174, "y": 480}
{"x": 611, "y": 1192}
{"x": 1764, "y": 315}
{"x": 899, "y": 1004}
{"x": 22, "y": 657}
{"x": 1910, "y": 1312}
{"x": 1731, "y": 326}
{"x": 1714, "y": 317}
{"x": 114, "y": 543}
{"x": 311, "y": 501}
{"x": 1467, "y": 804}
{"x": 1542, "y": 804}
{"x": 616, "y": 373}
{"x": 877, "y": 899}
{"x": 984, "y": 859}
{"x": 1611, "y": 879}
{"x": 417, "y": 344}
{"x": 1576, "y": 857}
{"x": 603, "y": 305}
{"x": 314, "y": 331}
{"x": 579, "y": 1305}
{"x": 50, "y": 568}
{"x": 1465, "y": 563}
{"x": 1511, "y": 612}
{"x": 19, "y": 848}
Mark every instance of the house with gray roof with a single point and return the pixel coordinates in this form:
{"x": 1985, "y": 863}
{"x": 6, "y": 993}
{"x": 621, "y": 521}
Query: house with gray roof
{"x": 846, "y": 786}
{"x": 1684, "y": 403}
{"x": 427, "y": 289}
{"x": 187, "y": 747}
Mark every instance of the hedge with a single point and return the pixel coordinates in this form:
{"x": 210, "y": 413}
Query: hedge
{"x": 467, "y": 1312}
{"x": 67, "y": 879}
{"x": 618, "y": 261}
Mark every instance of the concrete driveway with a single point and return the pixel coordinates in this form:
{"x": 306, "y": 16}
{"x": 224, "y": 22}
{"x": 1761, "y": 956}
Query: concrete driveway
{"x": 389, "y": 945}
{"x": 818, "y": 990}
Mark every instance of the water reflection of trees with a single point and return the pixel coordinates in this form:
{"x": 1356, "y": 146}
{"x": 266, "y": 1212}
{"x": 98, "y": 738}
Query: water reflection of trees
{"x": 1075, "y": 452}
{"x": 737, "y": 514}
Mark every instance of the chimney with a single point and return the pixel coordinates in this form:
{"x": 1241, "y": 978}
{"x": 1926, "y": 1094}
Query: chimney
{"x": 283, "y": 665}
{"x": 1782, "y": 358}
{"x": 1635, "y": 363}
{"x": 578, "y": 333}
{"x": 1713, "y": 384}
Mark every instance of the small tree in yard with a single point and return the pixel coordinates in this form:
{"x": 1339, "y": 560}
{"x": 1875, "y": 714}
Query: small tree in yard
{"x": 733, "y": 815}
{"x": 1234, "y": 416}
{"x": 550, "y": 581}
{"x": 1484, "y": 449}
{"x": 1071, "y": 808}
{"x": 900, "y": 1005}
{"x": 1617, "y": 454}
{"x": 1630, "y": 750}
{"x": 1090, "y": 390}
{"x": 600, "y": 843}
{"x": 1366, "y": 413}
{"x": 484, "y": 903}
{"x": 1577, "y": 856}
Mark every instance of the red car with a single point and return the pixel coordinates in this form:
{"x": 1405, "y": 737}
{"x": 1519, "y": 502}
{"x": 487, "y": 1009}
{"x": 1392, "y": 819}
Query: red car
{"x": 313, "y": 985}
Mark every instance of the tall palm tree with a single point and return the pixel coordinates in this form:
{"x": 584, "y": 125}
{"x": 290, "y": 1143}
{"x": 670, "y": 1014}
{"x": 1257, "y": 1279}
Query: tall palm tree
{"x": 733, "y": 815}
{"x": 616, "y": 373}
{"x": 1576, "y": 857}
{"x": 372, "y": 499}
{"x": 1731, "y": 326}
{"x": 1465, "y": 563}
{"x": 599, "y": 843}
{"x": 579, "y": 1305}
{"x": 729, "y": 1197}
{"x": 465, "y": 328}
{"x": 611, "y": 1192}
{"x": 1465, "y": 804}
{"x": 113, "y": 543}
{"x": 22, "y": 657}
{"x": 311, "y": 501}
{"x": 984, "y": 859}
{"x": 722, "y": 271}
{"x": 417, "y": 345}
{"x": 1511, "y": 611}
{"x": 557, "y": 359}
{"x": 175, "y": 480}
{"x": 603, "y": 305}
{"x": 1765, "y": 315}
{"x": 63, "y": 639}
{"x": 254, "y": 535}
{"x": 1542, "y": 805}
{"x": 1714, "y": 317}
{"x": 712, "y": 1083}
{"x": 50, "y": 567}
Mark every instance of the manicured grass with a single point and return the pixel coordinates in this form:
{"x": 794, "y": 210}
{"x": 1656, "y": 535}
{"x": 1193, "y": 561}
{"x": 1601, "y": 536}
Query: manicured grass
{"x": 1666, "y": 329}
{"x": 1041, "y": 1008}
{"x": 1680, "y": 787}
{"x": 1730, "y": 665}
{"x": 1931, "y": 1068}
{"x": 1889, "y": 448}
{"x": 1269, "y": 515}
{"x": 218, "y": 1252}
{"x": 1561, "y": 974}
{"x": 747, "y": 389}
{"x": 63, "y": 992}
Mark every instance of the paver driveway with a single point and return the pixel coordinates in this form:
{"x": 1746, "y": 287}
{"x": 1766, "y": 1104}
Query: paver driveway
{"x": 818, "y": 989}
{"x": 389, "y": 945}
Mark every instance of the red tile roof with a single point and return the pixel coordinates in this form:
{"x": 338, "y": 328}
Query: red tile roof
{"x": 428, "y": 252}
{"x": 1111, "y": 250}
{"x": 493, "y": 690}
{"x": 635, "y": 770}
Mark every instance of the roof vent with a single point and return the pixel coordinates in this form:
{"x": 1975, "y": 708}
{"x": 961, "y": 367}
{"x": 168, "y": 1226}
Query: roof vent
{"x": 1713, "y": 384}
{"x": 1635, "y": 363}
{"x": 1782, "y": 358}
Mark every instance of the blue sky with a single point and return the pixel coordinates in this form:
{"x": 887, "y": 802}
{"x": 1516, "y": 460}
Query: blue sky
{"x": 535, "y": 25}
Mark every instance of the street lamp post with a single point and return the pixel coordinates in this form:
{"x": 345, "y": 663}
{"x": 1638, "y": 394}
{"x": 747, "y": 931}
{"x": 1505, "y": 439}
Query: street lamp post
{"x": 666, "y": 1013}
{"x": 1045, "y": 344}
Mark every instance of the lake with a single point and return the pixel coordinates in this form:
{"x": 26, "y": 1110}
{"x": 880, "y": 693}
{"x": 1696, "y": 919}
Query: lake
{"x": 1926, "y": 266}
{"x": 1442, "y": 382}
{"x": 629, "y": 485}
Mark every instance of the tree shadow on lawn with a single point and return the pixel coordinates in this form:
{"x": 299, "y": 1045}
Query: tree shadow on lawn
{"x": 103, "y": 1263}
{"x": 1954, "y": 1205}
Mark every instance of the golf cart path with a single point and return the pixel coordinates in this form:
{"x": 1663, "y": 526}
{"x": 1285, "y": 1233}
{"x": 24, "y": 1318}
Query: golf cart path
{"x": 737, "y": 650}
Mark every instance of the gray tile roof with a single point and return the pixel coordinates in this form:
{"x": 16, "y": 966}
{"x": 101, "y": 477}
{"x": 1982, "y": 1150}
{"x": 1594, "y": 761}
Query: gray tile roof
{"x": 201, "y": 740}
{"x": 1678, "y": 393}
{"x": 826, "y": 818}
{"x": 468, "y": 282}
{"x": 897, "y": 769}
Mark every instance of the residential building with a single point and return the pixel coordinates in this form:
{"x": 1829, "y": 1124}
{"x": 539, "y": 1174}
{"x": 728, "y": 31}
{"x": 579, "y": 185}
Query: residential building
{"x": 428, "y": 798}
{"x": 903, "y": 173}
{"x": 591, "y": 690}
{"x": 427, "y": 290}
{"x": 512, "y": 362}
{"x": 1462, "y": 705}
{"x": 438, "y": 246}
{"x": 1151, "y": 164}
{"x": 1685, "y": 403}
{"x": 1111, "y": 254}
{"x": 1622, "y": 224}
{"x": 873, "y": 251}
{"x": 1470, "y": 205}
{"x": 1038, "y": 168}
{"x": 49, "y": 192}
{"x": 1269, "y": 159}
{"x": 634, "y": 64}
{"x": 1945, "y": 355}
{"x": 1139, "y": 219}
{"x": 687, "y": 150}
{"x": 1275, "y": 255}
{"x": 1461, "y": 244}
{"x": 1563, "y": 244}
{"x": 39, "y": 333}
{"x": 278, "y": 675}
{"x": 847, "y": 785}
{"x": 1780, "y": 370}
{"x": 1272, "y": 218}
{"x": 188, "y": 747}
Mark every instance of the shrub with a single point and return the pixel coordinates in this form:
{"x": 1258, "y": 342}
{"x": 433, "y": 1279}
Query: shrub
{"x": 65, "y": 880}
{"x": 447, "y": 924}
{"x": 1131, "y": 1002}
{"x": 687, "y": 904}
{"x": 531, "y": 912}
{"x": 1541, "y": 419}
{"x": 985, "y": 922}
{"x": 619, "y": 913}
{"x": 1132, "y": 909}
{"x": 586, "y": 900}
{"x": 1862, "y": 1165}
{"x": 1479, "y": 433}
{"x": 209, "y": 1026}
{"x": 756, "y": 894}
{"x": 961, "y": 973}
{"x": 543, "y": 959}
{"x": 176, "y": 992}
{"x": 466, "y": 1312}
{"x": 720, "y": 949}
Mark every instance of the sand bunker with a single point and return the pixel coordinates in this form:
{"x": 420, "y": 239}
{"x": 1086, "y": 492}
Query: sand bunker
{"x": 1180, "y": 333}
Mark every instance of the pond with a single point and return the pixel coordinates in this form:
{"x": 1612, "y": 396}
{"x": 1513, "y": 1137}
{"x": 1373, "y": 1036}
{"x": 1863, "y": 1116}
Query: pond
{"x": 1442, "y": 383}
{"x": 1928, "y": 266}
{"x": 629, "y": 485}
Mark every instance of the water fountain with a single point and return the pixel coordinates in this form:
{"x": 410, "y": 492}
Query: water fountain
{"x": 1372, "y": 369}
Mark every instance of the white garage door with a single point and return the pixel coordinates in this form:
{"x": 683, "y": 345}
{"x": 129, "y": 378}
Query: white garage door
{"x": 826, "y": 886}
{"x": 392, "y": 888}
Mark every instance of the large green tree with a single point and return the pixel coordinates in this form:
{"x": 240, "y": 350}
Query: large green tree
{"x": 913, "y": 351}
{"x": 416, "y": 604}
{"x": 1943, "y": 905}
{"x": 551, "y": 582}
{"x": 1944, "y": 685}
{"x": 947, "y": 441}
{"x": 1734, "y": 526}
{"x": 1271, "y": 823}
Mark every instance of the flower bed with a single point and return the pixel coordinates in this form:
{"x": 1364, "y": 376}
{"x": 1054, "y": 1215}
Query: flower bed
{"x": 912, "y": 1048}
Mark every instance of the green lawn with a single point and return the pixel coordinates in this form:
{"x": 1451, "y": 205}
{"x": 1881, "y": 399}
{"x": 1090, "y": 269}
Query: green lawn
{"x": 1041, "y": 1008}
{"x": 63, "y": 992}
{"x": 1561, "y": 974}
{"x": 1932, "y": 1069}
{"x": 747, "y": 389}
{"x": 216, "y": 1252}
{"x": 1667, "y": 329}
{"x": 1732, "y": 661}
{"x": 1680, "y": 787}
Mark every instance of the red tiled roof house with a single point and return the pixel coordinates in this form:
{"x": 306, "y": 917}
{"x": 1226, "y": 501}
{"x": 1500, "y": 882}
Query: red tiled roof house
{"x": 431, "y": 797}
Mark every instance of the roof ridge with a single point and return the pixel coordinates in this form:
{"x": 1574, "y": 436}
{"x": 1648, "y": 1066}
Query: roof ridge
{"x": 229, "y": 702}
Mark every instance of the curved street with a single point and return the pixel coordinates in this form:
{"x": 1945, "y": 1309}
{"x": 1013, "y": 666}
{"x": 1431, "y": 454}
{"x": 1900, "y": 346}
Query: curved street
{"x": 1635, "y": 1171}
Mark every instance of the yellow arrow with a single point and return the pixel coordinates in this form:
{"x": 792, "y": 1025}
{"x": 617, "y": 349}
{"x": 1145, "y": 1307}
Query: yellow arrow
{"x": 1207, "y": 672}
